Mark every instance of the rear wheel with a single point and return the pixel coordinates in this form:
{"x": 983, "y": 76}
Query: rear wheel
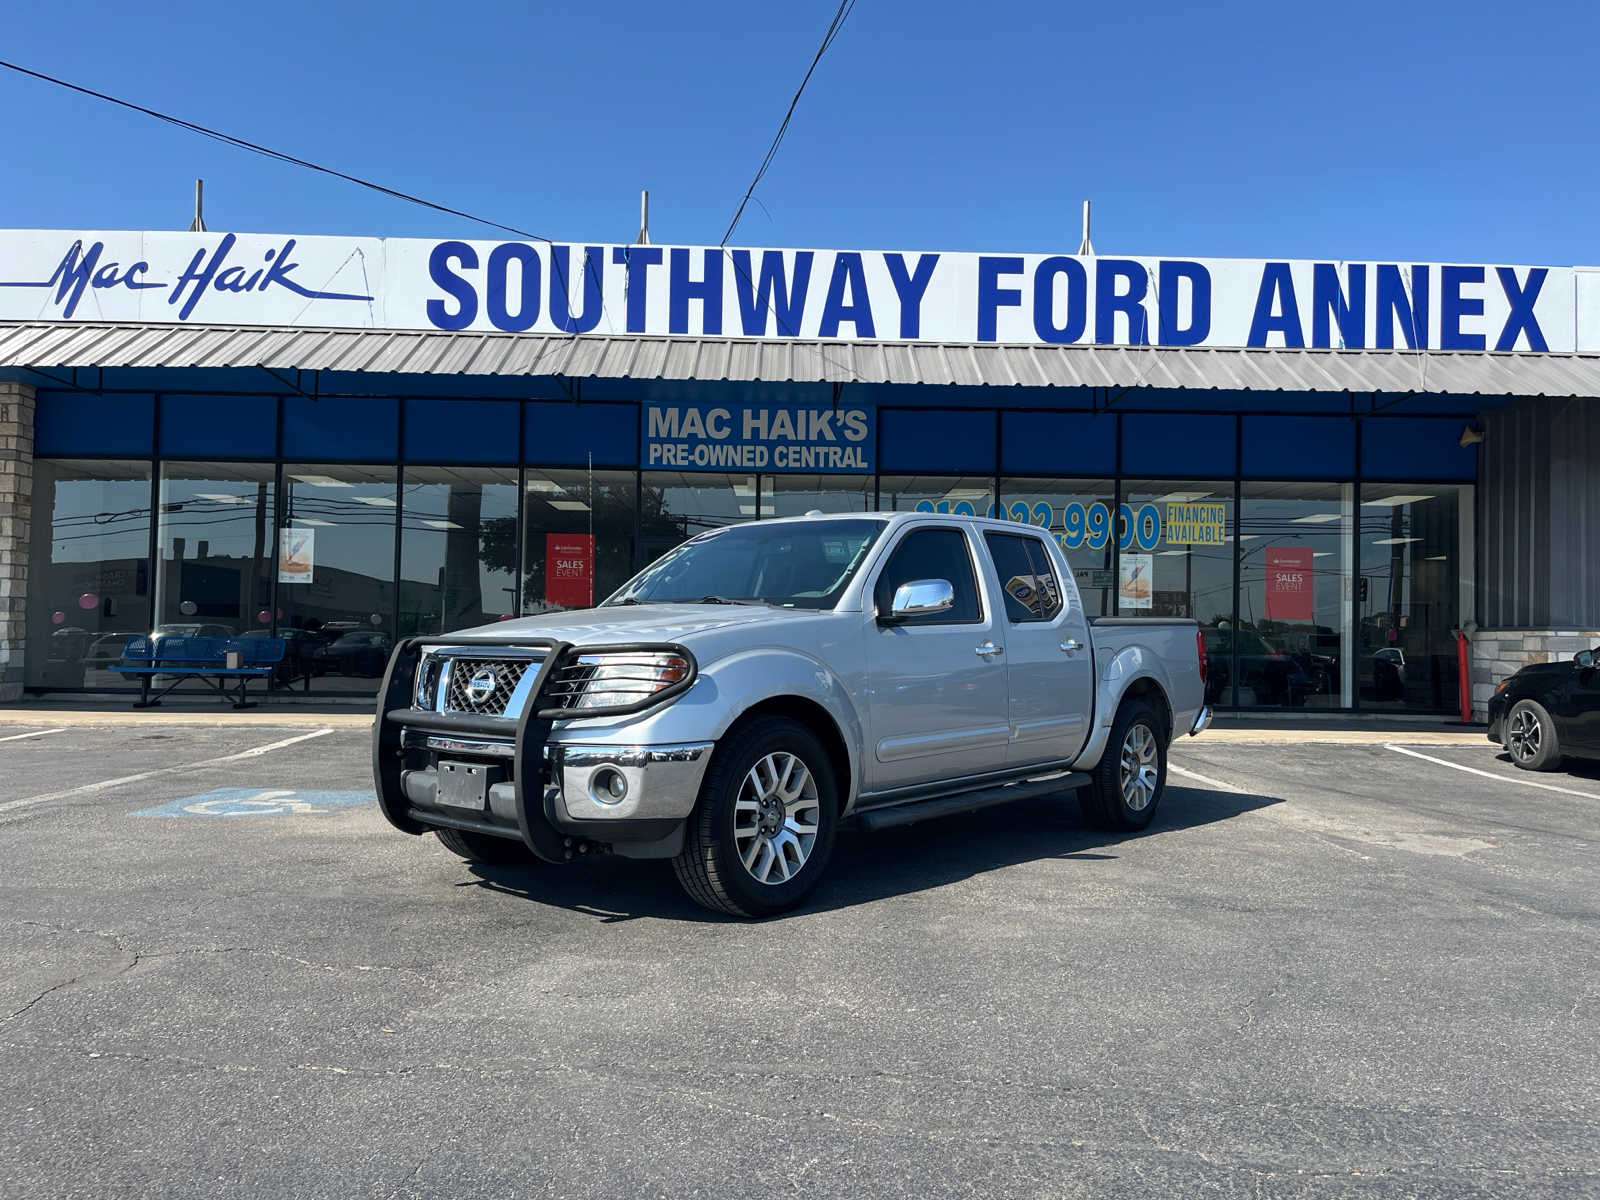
{"x": 1132, "y": 773}
{"x": 761, "y": 835}
{"x": 1531, "y": 737}
{"x": 485, "y": 848}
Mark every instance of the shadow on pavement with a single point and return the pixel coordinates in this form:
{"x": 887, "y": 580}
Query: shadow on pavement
{"x": 865, "y": 868}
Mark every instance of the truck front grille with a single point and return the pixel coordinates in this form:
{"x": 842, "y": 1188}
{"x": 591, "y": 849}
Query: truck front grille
{"x": 483, "y": 686}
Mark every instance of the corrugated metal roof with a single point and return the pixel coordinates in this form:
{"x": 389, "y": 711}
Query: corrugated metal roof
{"x": 54, "y": 344}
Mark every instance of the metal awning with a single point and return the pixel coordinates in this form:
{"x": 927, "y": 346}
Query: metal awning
{"x": 47, "y": 345}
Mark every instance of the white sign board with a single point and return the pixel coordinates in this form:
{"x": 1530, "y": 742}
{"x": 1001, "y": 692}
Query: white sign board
{"x": 847, "y": 295}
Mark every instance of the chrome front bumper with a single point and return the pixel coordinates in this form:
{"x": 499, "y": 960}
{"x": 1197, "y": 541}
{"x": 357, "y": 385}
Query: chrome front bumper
{"x": 662, "y": 781}
{"x": 1202, "y": 721}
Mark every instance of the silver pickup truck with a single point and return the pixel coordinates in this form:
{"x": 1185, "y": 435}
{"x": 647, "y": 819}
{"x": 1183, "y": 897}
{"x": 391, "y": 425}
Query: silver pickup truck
{"x": 742, "y": 696}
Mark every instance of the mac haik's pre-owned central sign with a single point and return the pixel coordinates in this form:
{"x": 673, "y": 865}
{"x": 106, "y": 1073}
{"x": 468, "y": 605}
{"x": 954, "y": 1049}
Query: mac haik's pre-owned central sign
{"x": 848, "y": 295}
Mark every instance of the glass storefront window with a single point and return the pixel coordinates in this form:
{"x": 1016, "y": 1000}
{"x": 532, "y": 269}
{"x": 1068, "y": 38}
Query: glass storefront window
{"x": 578, "y": 531}
{"x": 676, "y": 505}
{"x": 214, "y": 549}
{"x": 1292, "y": 646}
{"x": 958, "y": 495}
{"x": 1408, "y": 599}
{"x": 335, "y": 569}
{"x": 1078, "y": 514}
{"x": 1175, "y": 559}
{"x": 89, "y": 570}
{"x": 214, "y": 554}
{"x": 458, "y": 548}
{"x": 796, "y": 495}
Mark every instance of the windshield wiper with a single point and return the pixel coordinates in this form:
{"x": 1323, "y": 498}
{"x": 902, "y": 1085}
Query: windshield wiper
{"x": 620, "y": 603}
{"x": 723, "y": 600}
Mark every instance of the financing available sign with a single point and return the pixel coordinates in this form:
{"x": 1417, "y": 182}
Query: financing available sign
{"x": 779, "y": 294}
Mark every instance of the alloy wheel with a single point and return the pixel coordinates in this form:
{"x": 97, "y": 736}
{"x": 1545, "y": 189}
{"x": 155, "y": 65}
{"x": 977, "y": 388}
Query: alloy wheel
{"x": 1525, "y": 736}
{"x": 776, "y": 817}
{"x": 1140, "y": 769}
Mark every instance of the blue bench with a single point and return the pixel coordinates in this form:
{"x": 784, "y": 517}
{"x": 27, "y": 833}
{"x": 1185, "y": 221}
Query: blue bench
{"x": 202, "y": 658}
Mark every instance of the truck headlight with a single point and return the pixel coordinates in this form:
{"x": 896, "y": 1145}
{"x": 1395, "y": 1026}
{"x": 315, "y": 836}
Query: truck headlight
{"x": 617, "y": 681}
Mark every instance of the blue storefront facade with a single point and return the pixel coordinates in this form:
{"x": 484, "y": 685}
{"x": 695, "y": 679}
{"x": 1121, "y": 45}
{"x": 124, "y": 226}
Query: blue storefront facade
{"x": 1323, "y": 523}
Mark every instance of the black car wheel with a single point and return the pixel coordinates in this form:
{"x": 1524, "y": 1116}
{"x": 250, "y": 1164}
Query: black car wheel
{"x": 1531, "y": 737}
{"x": 486, "y": 848}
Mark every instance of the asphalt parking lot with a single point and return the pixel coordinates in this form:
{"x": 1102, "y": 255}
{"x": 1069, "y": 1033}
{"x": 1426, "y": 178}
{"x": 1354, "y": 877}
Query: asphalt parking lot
{"x": 1327, "y": 970}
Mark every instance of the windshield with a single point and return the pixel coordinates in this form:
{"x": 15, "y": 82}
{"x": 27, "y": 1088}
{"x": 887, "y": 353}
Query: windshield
{"x": 793, "y": 564}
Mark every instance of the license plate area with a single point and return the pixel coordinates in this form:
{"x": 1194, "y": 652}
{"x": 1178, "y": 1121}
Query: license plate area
{"x": 466, "y": 784}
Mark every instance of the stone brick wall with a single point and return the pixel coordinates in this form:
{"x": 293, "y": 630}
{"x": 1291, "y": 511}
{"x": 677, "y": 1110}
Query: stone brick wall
{"x": 16, "y": 505}
{"x": 1497, "y": 653}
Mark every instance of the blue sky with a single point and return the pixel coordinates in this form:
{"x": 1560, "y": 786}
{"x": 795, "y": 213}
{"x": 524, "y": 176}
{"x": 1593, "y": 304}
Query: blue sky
{"x": 1426, "y": 131}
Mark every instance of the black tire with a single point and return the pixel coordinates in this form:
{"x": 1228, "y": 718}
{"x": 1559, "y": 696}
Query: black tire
{"x": 711, "y": 867}
{"x": 1535, "y": 746}
{"x": 486, "y": 848}
{"x": 1103, "y": 803}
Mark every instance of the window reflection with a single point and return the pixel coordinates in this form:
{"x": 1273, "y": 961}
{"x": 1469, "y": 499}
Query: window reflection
{"x": 796, "y": 495}
{"x": 89, "y": 571}
{"x": 578, "y": 535}
{"x": 335, "y": 571}
{"x": 458, "y": 552}
{"x": 1294, "y": 595}
{"x": 1408, "y": 599}
{"x": 676, "y": 505}
{"x": 956, "y": 495}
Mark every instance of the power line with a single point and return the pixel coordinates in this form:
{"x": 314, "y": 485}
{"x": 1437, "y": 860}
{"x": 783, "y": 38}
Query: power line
{"x": 267, "y": 151}
{"x": 840, "y": 16}
{"x": 229, "y": 139}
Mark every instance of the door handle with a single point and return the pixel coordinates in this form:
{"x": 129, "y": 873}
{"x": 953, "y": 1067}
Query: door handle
{"x": 1072, "y": 645}
{"x": 987, "y": 649}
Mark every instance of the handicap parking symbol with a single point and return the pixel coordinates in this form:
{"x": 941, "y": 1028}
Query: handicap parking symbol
{"x": 258, "y": 802}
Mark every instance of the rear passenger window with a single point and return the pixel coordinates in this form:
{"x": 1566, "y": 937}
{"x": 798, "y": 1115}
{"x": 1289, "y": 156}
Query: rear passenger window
{"x": 1026, "y": 577}
{"x": 933, "y": 554}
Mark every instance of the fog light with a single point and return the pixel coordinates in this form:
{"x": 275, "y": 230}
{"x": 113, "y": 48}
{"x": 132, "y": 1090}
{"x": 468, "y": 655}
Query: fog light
{"x": 608, "y": 786}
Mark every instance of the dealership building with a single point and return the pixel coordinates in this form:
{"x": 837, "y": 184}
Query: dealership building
{"x": 1336, "y": 468}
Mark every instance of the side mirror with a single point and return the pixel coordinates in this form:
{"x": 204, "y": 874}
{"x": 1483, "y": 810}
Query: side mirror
{"x": 1583, "y": 660}
{"x": 921, "y": 598}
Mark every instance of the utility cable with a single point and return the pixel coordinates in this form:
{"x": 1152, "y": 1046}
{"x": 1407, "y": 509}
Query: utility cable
{"x": 840, "y": 16}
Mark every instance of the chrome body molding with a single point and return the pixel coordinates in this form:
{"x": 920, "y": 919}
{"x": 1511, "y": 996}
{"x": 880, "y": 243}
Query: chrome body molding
{"x": 1202, "y": 721}
{"x": 469, "y": 746}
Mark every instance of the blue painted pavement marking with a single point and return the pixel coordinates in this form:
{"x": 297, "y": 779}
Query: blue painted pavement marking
{"x": 258, "y": 802}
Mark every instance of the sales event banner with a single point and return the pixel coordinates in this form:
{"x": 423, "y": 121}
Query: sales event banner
{"x": 771, "y": 438}
{"x": 1290, "y": 580}
{"x": 569, "y": 569}
{"x": 844, "y": 295}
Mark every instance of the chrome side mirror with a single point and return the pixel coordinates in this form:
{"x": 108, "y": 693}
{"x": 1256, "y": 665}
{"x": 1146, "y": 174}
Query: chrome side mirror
{"x": 922, "y": 598}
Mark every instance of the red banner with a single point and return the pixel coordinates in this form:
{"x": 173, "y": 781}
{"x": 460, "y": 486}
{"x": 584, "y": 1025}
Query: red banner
{"x": 569, "y": 569}
{"x": 1289, "y": 583}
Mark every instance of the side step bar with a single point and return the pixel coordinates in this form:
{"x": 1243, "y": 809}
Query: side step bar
{"x": 874, "y": 819}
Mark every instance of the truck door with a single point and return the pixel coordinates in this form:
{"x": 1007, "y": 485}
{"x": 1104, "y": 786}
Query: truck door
{"x": 1049, "y": 666}
{"x": 938, "y": 703}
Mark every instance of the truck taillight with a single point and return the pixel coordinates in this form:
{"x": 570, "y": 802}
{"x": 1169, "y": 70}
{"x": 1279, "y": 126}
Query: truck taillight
{"x": 1200, "y": 649}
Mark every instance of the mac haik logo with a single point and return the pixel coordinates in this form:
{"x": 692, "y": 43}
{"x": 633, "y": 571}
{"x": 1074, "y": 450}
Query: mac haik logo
{"x": 211, "y": 272}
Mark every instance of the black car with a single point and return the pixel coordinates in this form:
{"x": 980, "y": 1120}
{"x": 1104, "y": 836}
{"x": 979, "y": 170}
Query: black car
{"x": 1548, "y": 711}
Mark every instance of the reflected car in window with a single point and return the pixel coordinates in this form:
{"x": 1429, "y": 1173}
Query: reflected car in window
{"x": 1267, "y": 676}
{"x": 364, "y": 653}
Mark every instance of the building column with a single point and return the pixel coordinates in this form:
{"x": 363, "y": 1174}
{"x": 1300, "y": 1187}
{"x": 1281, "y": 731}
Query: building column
{"x": 16, "y": 509}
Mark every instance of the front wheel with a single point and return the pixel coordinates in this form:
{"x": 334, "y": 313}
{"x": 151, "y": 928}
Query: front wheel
{"x": 761, "y": 835}
{"x": 1531, "y": 737}
{"x": 1131, "y": 776}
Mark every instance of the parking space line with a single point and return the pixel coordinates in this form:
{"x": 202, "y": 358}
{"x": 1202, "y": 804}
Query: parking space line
{"x": 1199, "y": 778}
{"x": 87, "y": 788}
{"x": 1533, "y": 783}
{"x": 17, "y": 737}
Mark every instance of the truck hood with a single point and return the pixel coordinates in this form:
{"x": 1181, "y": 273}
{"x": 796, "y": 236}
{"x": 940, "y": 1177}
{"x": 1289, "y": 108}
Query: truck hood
{"x": 623, "y": 624}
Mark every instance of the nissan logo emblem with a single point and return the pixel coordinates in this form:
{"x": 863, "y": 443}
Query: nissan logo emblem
{"x": 481, "y": 686}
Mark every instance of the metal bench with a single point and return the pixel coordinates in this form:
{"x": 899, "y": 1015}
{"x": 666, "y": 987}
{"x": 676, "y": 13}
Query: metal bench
{"x": 204, "y": 658}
